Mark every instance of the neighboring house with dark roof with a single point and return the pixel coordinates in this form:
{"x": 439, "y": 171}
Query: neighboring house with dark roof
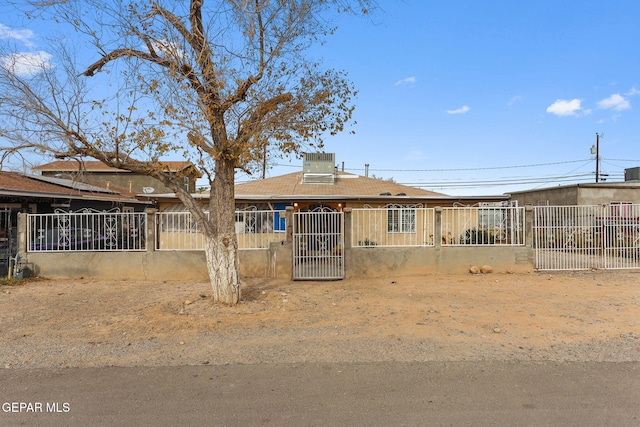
{"x": 39, "y": 194}
{"x": 98, "y": 173}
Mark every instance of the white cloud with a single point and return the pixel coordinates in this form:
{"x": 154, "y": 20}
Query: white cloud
{"x": 563, "y": 107}
{"x": 406, "y": 81}
{"x": 633, "y": 91}
{"x": 26, "y": 63}
{"x": 24, "y": 36}
{"x": 616, "y": 102}
{"x": 515, "y": 100}
{"x": 460, "y": 110}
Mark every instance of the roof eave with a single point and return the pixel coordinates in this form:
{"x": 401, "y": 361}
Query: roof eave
{"x": 41, "y": 195}
{"x": 365, "y": 197}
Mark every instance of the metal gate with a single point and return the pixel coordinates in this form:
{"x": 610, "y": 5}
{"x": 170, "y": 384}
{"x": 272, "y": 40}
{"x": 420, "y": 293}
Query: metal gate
{"x": 318, "y": 242}
{"x": 587, "y": 237}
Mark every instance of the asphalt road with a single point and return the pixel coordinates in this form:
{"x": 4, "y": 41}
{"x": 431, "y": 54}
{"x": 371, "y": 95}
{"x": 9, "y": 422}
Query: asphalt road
{"x": 319, "y": 394}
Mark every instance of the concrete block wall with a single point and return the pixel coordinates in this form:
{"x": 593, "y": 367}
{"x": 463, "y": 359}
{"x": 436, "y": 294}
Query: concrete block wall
{"x": 276, "y": 262}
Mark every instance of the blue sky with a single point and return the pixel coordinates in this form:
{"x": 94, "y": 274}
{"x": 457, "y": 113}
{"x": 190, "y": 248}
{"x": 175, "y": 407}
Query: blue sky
{"x": 476, "y": 98}
{"x": 450, "y": 87}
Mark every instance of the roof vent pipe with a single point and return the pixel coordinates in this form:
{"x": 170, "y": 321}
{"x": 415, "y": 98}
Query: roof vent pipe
{"x": 366, "y": 170}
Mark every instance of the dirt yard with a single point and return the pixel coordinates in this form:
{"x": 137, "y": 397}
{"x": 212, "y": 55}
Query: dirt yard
{"x": 588, "y": 316}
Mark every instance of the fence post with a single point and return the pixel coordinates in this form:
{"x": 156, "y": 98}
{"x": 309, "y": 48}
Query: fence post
{"x": 347, "y": 227}
{"x": 289, "y": 217}
{"x": 437, "y": 227}
{"x": 22, "y": 234}
{"x": 528, "y": 226}
{"x": 152, "y": 243}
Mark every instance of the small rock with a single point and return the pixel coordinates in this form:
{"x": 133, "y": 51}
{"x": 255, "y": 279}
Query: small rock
{"x": 474, "y": 269}
{"x": 188, "y": 302}
{"x": 181, "y": 342}
{"x": 486, "y": 269}
{"x": 497, "y": 330}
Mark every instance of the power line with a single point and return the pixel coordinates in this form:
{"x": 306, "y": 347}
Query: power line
{"x": 492, "y": 183}
{"x": 564, "y": 178}
{"x": 477, "y": 169}
{"x": 460, "y": 169}
{"x": 474, "y": 169}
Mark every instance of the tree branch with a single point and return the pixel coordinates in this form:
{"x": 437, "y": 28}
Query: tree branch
{"x": 198, "y": 42}
{"x": 259, "y": 113}
{"x": 241, "y": 91}
{"x": 124, "y": 53}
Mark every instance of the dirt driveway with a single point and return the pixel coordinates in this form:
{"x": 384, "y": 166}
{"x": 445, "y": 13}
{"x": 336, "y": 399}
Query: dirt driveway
{"x": 587, "y": 316}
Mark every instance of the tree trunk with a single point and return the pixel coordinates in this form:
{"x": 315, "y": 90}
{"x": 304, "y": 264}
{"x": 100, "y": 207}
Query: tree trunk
{"x": 221, "y": 248}
{"x": 222, "y": 266}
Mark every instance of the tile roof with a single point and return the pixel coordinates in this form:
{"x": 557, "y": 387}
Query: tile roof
{"x": 96, "y": 166}
{"x": 345, "y": 185}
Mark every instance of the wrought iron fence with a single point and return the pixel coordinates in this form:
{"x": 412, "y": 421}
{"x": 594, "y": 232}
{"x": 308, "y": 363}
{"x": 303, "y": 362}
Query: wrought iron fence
{"x": 7, "y": 241}
{"x": 86, "y": 230}
{"x": 482, "y": 226}
{"x": 393, "y": 225}
{"x": 587, "y": 237}
{"x": 254, "y": 229}
{"x": 178, "y": 231}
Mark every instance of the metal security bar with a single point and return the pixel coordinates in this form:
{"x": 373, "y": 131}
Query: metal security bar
{"x": 6, "y": 241}
{"x": 258, "y": 229}
{"x": 482, "y": 226}
{"x": 621, "y": 226}
{"x": 178, "y": 231}
{"x": 587, "y": 237}
{"x": 86, "y": 231}
{"x": 318, "y": 242}
{"x": 394, "y": 225}
{"x": 567, "y": 237}
{"x": 254, "y": 229}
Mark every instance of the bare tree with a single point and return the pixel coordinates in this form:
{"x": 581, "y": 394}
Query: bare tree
{"x": 220, "y": 84}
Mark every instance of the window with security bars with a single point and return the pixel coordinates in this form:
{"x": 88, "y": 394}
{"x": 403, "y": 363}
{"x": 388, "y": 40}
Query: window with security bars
{"x": 401, "y": 220}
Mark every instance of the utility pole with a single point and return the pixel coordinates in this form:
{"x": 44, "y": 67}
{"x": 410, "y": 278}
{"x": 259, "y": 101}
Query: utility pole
{"x": 264, "y": 161}
{"x": 597, "y": 153}
{"x": 597, "y": 157}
